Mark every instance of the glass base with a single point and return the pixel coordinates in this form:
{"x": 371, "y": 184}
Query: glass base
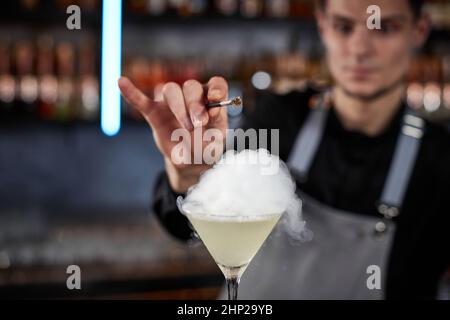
{"x": 232, "y": 272}
{"x": 233, "y": 276}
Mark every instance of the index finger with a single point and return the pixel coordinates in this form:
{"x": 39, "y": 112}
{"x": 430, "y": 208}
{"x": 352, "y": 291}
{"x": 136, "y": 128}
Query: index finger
{"x": 135, "y": 96}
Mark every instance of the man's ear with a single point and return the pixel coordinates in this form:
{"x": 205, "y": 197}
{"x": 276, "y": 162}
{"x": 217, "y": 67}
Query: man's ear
{"x": 422, "y": 29}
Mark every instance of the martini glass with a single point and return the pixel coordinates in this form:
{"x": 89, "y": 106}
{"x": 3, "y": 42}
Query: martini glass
{"x": 232, "y": 241}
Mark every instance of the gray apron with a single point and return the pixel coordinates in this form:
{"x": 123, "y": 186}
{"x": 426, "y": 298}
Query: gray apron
{"x": 334, "y": 264}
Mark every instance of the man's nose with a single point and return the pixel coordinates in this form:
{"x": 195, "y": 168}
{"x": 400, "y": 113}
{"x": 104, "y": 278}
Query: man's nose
{"x": 360, "y": 44}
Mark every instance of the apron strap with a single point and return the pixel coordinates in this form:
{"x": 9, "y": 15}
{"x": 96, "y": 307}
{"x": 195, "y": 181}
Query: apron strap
{"x": 307, "y": 141}
{"x": 402, "y": 165}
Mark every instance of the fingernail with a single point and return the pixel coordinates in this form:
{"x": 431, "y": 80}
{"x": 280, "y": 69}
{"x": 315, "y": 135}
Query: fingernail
{"x": 197, "y": 120}
{"x": 188, "y": 124}
{"x": 215, "y": 94}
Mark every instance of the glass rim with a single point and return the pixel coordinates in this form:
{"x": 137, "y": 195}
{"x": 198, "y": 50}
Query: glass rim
{"x": 224, "y": 217}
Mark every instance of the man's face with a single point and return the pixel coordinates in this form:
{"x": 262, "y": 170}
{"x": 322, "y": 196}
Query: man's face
{"x": 364, "y": 62}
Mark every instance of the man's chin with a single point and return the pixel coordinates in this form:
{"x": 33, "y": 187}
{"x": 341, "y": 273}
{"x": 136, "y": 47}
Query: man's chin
{"x": 366, "y": 92}
{"x": 360, "y": 92}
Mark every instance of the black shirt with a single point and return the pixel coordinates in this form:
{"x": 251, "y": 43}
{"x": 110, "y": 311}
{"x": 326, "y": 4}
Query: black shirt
{"x": 348, "y": 173}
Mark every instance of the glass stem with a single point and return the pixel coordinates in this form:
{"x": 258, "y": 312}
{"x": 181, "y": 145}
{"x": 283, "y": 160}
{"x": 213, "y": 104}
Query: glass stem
{"x": 233, "y": 285}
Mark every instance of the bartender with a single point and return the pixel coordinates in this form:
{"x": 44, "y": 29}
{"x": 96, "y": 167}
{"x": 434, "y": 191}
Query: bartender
{"x": 373, "y": 175}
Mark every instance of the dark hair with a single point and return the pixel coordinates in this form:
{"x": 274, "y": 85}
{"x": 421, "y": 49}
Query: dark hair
{"x": 416, "y": 6}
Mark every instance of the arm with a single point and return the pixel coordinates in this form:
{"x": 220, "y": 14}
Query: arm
{"x": 164, "y": 200}
{"x": 164, "y": 207}
{"x": 180, "y": 109}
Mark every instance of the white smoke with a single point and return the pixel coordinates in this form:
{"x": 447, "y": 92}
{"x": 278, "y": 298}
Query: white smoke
{"x": 237, "y": 186}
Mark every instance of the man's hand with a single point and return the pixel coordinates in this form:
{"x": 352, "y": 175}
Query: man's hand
{"x": 180, "y": 107}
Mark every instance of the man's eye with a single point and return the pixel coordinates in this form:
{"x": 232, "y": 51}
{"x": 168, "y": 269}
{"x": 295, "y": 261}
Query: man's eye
{"x": 387, "y": 29}
{"x": 343, "y": 28}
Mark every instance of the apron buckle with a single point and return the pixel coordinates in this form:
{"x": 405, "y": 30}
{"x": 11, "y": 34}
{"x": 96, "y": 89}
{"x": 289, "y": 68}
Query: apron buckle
{"x": 380, "y": 230}
{"x": 387, "y": 211}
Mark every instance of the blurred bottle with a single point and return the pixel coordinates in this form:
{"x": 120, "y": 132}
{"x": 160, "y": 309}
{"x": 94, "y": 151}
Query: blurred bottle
{"x": 414, "y": 95}
{"x": 184, "y": 9}
{"x": 27, "y": 94}
{"x": 432, "y": 96}
{"x": 290, "y": 72}
{"x": 65, "y": 66}
{"x": 88, "y": 5}
{"x": 432, "y": 69}
{"x": 227, "y": 7}
{"x": 63, "y": 4}
{"x": 446, "y": 80}
{"x": 194, "y": 7}
{"x": 177, "y": 7}
{"x": 7, "y": 81}
{"x": 137, "y": 6}
{"x": 439, "y": 12}
{"x": 251, "y": 8}
{"x": 301, "y": 9}
{"x": 29, "y": 5}
{"x": 446, "y": 95}
{"x": 277, "y": 8}
{"x": 415, "y": 73}
{"x": 48, "y": 83}
{"x": 156, "y": 7}
{"x": 158, "y": 77}
{"x": 88, "y": 84}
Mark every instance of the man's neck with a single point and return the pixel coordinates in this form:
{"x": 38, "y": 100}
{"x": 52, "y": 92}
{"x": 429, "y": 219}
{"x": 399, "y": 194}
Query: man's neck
{"x": 368, "y": 117}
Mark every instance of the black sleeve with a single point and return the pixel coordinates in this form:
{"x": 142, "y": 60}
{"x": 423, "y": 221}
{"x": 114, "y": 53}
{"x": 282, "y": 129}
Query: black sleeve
{"x": 442, "y": 224}
{"x": 165, "y": 208}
